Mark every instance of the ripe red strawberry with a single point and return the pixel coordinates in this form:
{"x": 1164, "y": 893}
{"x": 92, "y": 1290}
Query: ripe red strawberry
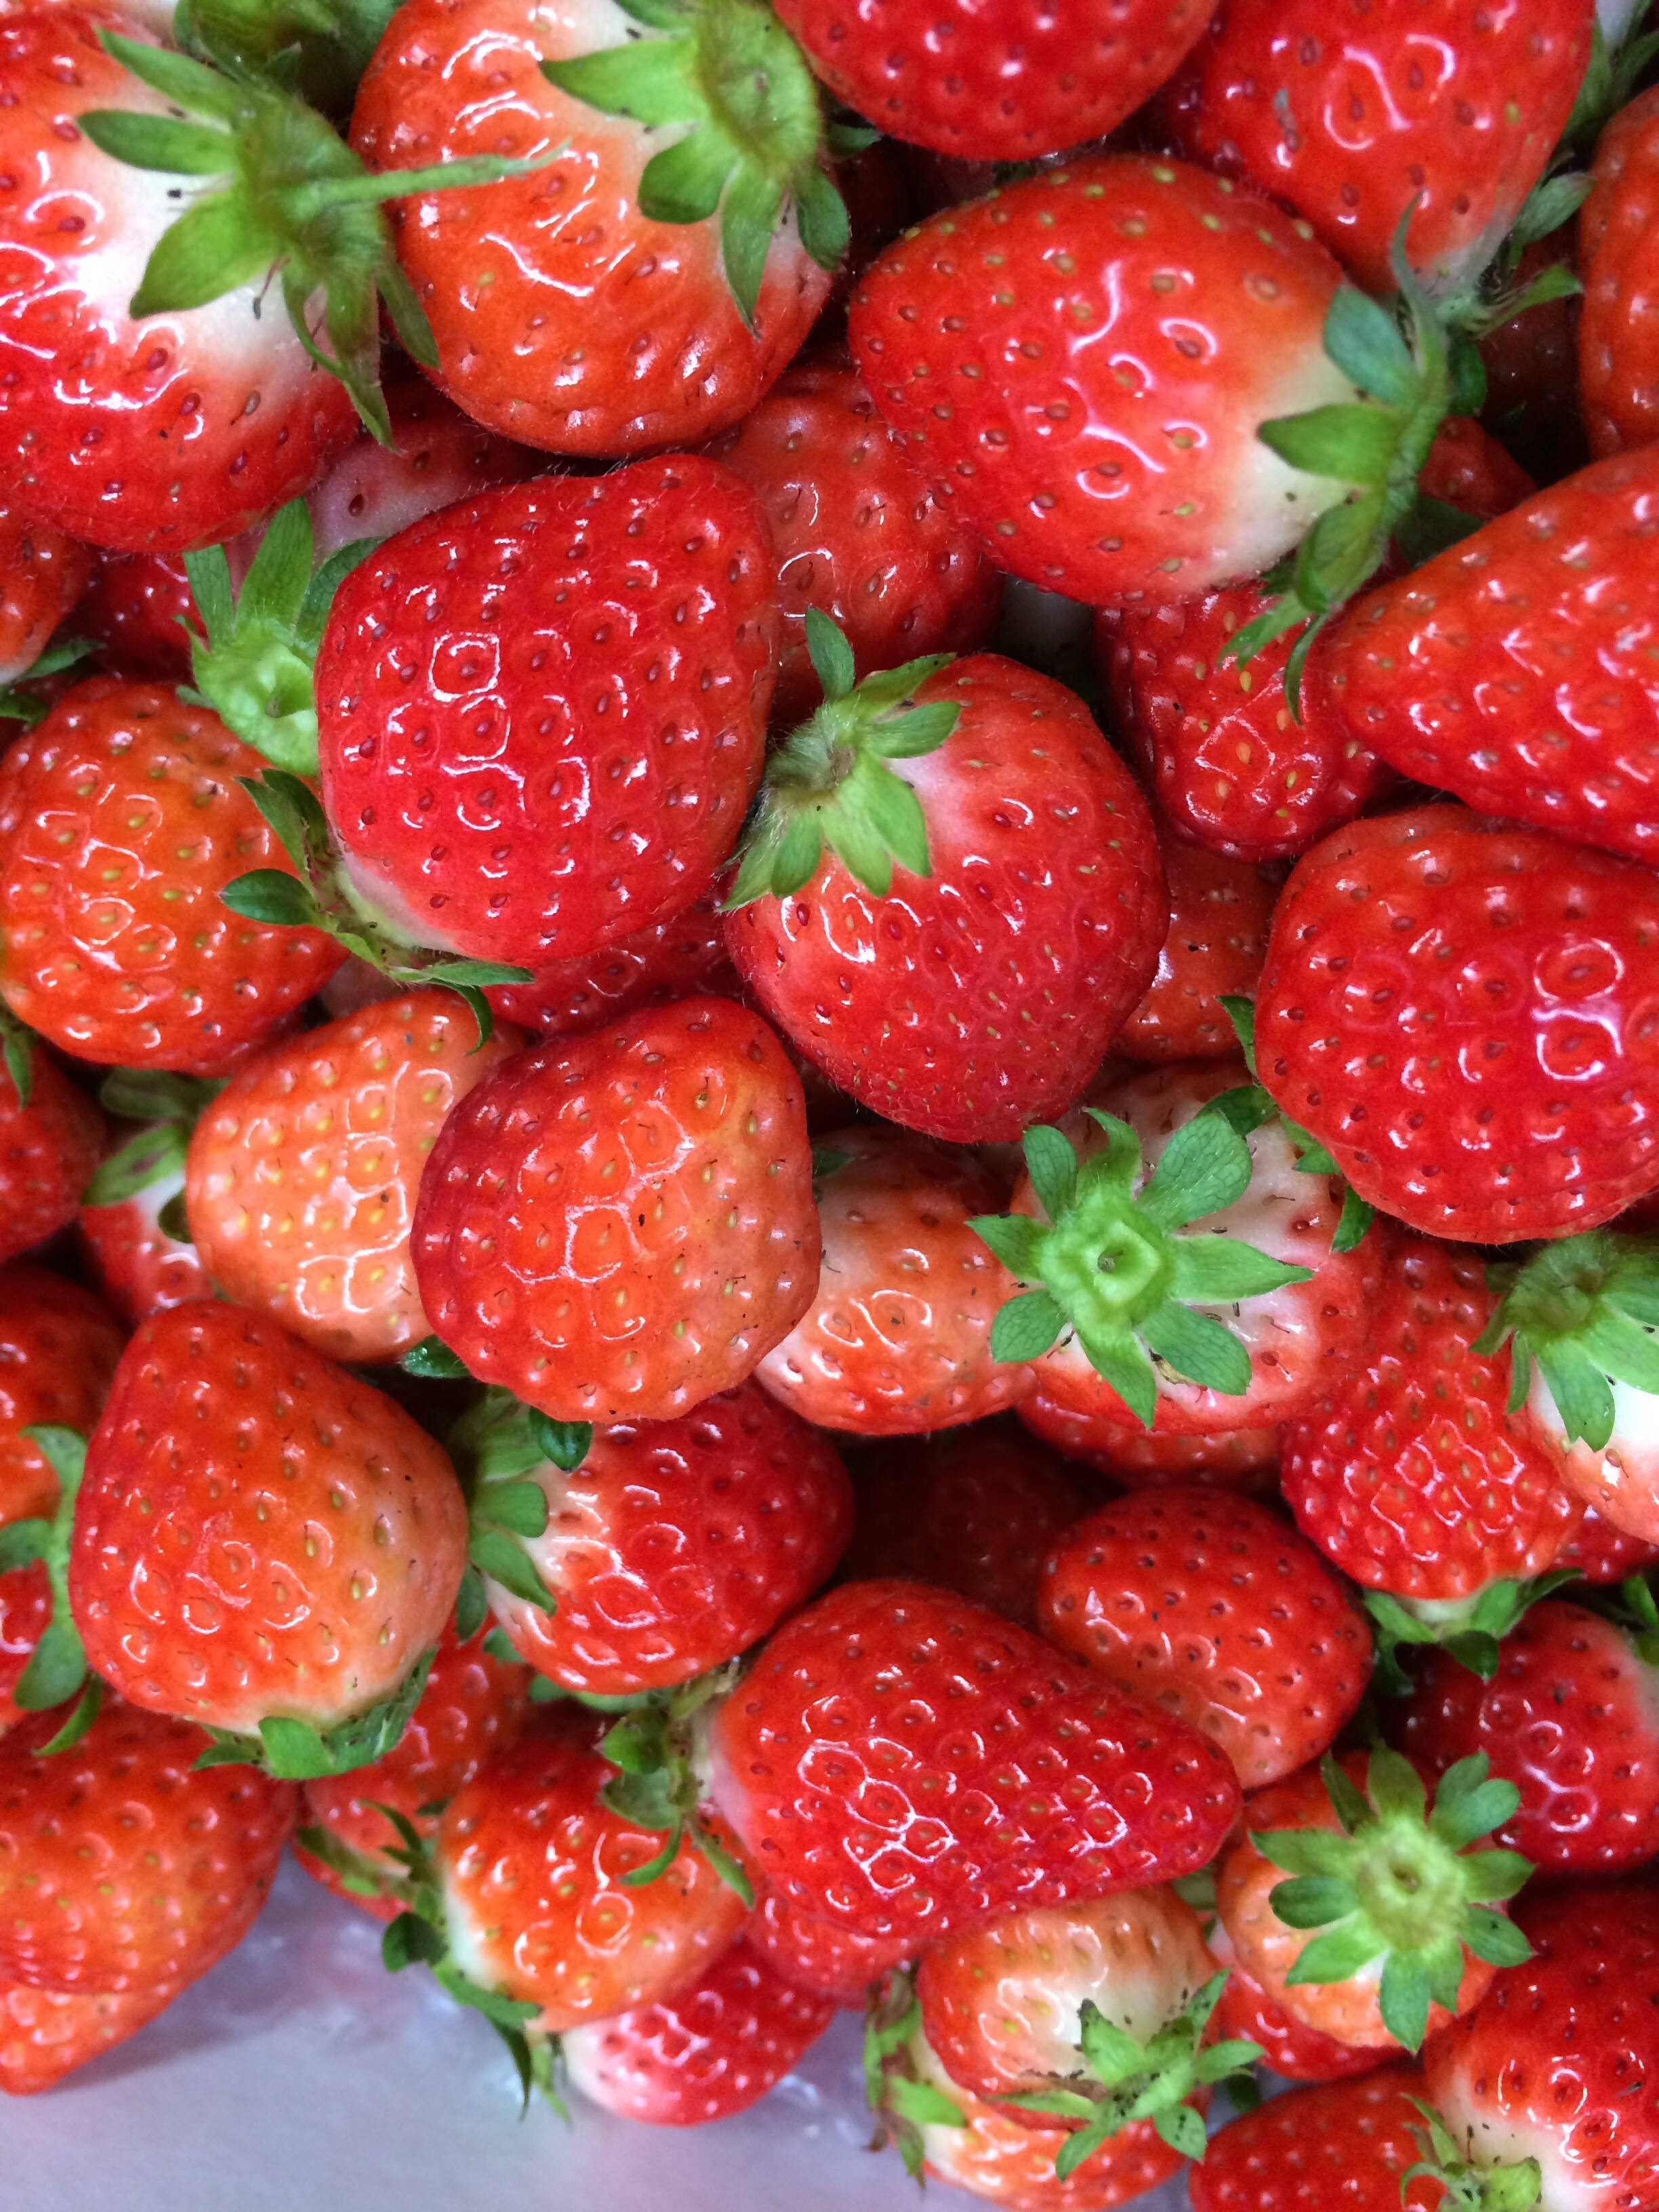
{"x": 1244, "y": 1460}
{"x": 25, "y": 1608}
{"x": 974, "y": 990}
{"x": 59, "y": 1347}
{"x": 1219, "y": 912}
{"x": 671, "y": 1148}
{"x": 852, "y": 1822}
{"x": 49, "y": 1142}
{"x": 262, "y": 1543}
{"x": 1298, "y": 2053}
{"x": 711, "y": 2050}
{"x": 816, "y": 1955}
{"x": 1467, "y": 468}
{"x": 46, "y": 2033}
{"x": 1510, "y": 1091}
{"x": 1617, "y": 364}
{"x": 1345, "y": 2143}
{"x": 300, "y": 1183}
{"x": 856, "y": 533}
{"x": 124, "y": 1866}
{"x": 975, "y": 1510}
{"x": 43, "y": 574}
{"x": 674, "y": 959}
{"x": 132, "y": 1211}
{"x": 541, "y": 713}
{"x": 139, "y": 606}
{"x": 1601, "y": 1553}
{"x": 671, "y": 1547}
{"x": 1211, "y": 1608}
{"x": 1355, "y": 114}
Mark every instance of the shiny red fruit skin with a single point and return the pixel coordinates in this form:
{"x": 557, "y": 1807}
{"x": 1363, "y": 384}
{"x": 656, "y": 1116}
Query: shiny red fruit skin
{"x": 542, "y": 712}
{"x": 1409, "y": 1477}
{"x": 679, "y": 958}
{"x": 1289, "y": 2049}
{"x": 1618, "y": 362}
{"x": 1342, "y": 2144}
{"x": 713, "y": 2051}
{"x": 1514, "y": 670}
{"x": 670, "y": 1154}
{"x": 46, "y": 2033}
{"x": 123, "y": 1866}
{"x": 43, "y": 574}
{"x": 1460, "y": 1012}
{"x": 1601, "y": 1553}
{"x": 58, "y": 1346}
{"x": 1019, "y": 1778}
{"x": 1572, "y": 1717}
{"x": 972, "y": 1002}
{"x": 140, "y": 607}
{"x": 816, "y": 1955}
{"x": 1243, "y": 1459}
{"x": 25, "y": 1609}
{"x": 1211, "y": 1608}
{"x": 562, "y": 316}
{"x": 49, "y": 1151}
{"x": 1350, "y": 112}
{"x": 1219, "y": 914}
{"x": 677, "y": 1545}
{"x": 258, "y": 1531}
{"x": 138, "y": 1267}
{"x": 856, "y": 533}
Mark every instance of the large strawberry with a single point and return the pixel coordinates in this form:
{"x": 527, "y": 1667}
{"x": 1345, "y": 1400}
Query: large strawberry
{"x": 1288, "y": 2046}
{"x": 50, "y": 1136}
{"x": 952, "y": 895}
{"x": 58, "y": 1348}
{"x": 1455, "y": 1010}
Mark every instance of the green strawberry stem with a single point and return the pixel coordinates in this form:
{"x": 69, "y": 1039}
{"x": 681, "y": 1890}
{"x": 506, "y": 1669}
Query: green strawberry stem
{"x": 295, "y": 1750}
{"x": 1113, "y": 1266}
{"x": 753, "y": 144}
{"x": 1586, "y": 1311}
{"x": 657, "y": 1785}
{"x": 17, "y": 1042}
{"x": 56, "y": 1668}
{"x": 1514, "y": 2187}
{"x": 1398, "y": 1882}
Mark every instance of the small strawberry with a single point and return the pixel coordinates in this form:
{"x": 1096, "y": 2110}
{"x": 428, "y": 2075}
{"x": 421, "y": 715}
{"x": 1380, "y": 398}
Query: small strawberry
{"x": 132, "y": 1213}
{"x": 1617, "y": 365}
{"x": 617, "y": 1226}
{"x": 58, "y": 1349}
{"x": 46, "y": 2033}
{"x": 51, "y": 1137}
{"x": 1219, "y": 912}
{"x": 140, "y": 607}
{"x": 817, "y": 1955}
{"x": 679, "y": 958}
{"x": 1211, "y": 1608}
{"x": 1288, "y": 2048}
{"x": 1599, "y": 1552}
{"x": 43, "y": 574}
{"x": 1243, "y": 1459}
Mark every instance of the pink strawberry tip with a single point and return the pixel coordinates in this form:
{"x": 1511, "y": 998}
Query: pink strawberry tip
{"x": 903, "y": 2103}
{"x": 1469, "y": 1630}
{"x": 657, "y": 1784}
{"x": 1398, "y": 1882}
{"x": 1514, "y": 2186}
{"x": 19, "y": 700}
{"x": 278, "y": 192}
{"x": 293, "y": 1749}
{"x": 497, "y": 1443}
{"x": 1115, "y": 1269}
{"x": 168, "y": 1106}
{"x": 56, "y": 1670}
{"x": 752, "y": 148}
{"x": 1251, "y": 1106}
{"x": 829, "y": 785}
{"x": 1585, "y": 1312}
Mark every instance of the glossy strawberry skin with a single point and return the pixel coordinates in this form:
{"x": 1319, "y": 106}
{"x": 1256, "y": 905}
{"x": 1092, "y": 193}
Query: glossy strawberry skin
{"x": 972, "y": 1002}
{"x": 679, "y": 958}
{"x": 43, "y": 573}
{"x": 859, "y": 1828}
{"x": 49, "y": 1149}
{"x": 1212, "y": 1607}
{"x": 1511, "y": 1091}
{"x": 562, "y": 316}
{"x": 59, "y": 1347}
{"x": 697, "y": 1106}
{"x": 1219, "y": 912}
{"x": 1244, "y": 1460}
{"x": 301, "y": 1179}
{"x": 713, "y": 2051}
{"x": 1349, "y": 112}
{"x": 676, "y": 1545}
{"x": 122, "y": 1866}
{"x": 1617, "y": 362}
{"x": 542, "y": 713}
{"x": 140, "y": 1268}
{"x": 25, "y": 1609}
{"x": 1289, "y": 2048}
{"x": 1408, "y": 1476}
{"x": 47, "y": 2033}
{"x": 140, "y": 607}
{"x": 856, "y": 533}
{"x": 992, "y": 338}
{"x": 816, "y": 1955}
{"x": 257, "y": 1531}
{"x": 1343, "y": 2143}
{"x": 1601, "y": 1553}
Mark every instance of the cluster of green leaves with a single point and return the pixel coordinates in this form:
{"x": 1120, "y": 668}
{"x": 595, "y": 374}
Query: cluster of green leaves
{"x": 903, "y": 2104}
{"x": 1514, "y": 2186}
{"x": 1474, "y": 1638}
{"x": 56, "y": 1669}
{"x": 295, "y": 1750}
{"x": 501, "y": 1442}
{"x": 1586, "y": 1309}
{"x": 656, "y": 1785}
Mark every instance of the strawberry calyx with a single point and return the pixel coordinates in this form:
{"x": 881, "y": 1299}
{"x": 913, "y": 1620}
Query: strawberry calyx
{"x": 902, "y": 2102}
{"x": 829, "y": 783}
{"x": 657, "y": 1785}
{"x": 17, "y": 1042}
{"x": 56, "y": 1670}
{"x": 1469, "y": 1630}
{"x": 1513, "y": 2187}
{"x": 500, "y": 1442}
{"x": 753, "y": 148}
{"x": 1250, "y": 1107}
{"x": 19, "y": 701}
{"x": 1115, "y": 1267}
{"x": 167, "y": 1105}
{"x": 318, "y": 48}
{"x": 1586, "y": 1310}
{"x": 1129, "y": 2079}
{"x": 295, "y": 1750}
{"x": 1397, "y": 1881}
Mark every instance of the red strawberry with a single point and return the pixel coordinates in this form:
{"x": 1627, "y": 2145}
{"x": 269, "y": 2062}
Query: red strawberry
{"x": 678, "y": 958}
{"x": 25, "y": 1608}
{"x": 1532, "y": 365}
{"x": 1247, "y": 2012}
{"x": 59, "y": 1347}
{"x": 42, "y": 575}
{"x": 1211, "y": 1608}
{"x": 1601, "y": 1553}
{"x": 140, "y": 608}
{"x": 1220, "y": 911}
{"x": 1347, "y": 2144}
{"x": 46, "y": 2033}
{"x": 973, "y": 991}
{"x": 132, "y": 1211}
{"x": 263, "y": 1543}
{"x": 672, "y": 1147}
{"x": 1467, "y": 468}
{"x": 49, "y": 1142}
{"x": 541, "y": 713}
{"x": 1511, "y": 1091}
{"x": 975, "y": 1509}
{"x": 1617, "y": 364}
{"x": 1355, "y": 114}
{"x": 1244, "y": 1460}
{"x": 711, "y": 2050}
{"x": 857, "y": 533}
{"x": 124, "y": 1866}
{"x": 816, "y": 1955}
{"x": 1058, "y": 1787}
{"x": 671, "y": 1547}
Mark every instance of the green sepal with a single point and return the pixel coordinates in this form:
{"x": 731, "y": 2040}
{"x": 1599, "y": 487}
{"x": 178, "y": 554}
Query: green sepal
{"x": 17, "y": 1044}
{"x": 432, "y": 1360}
{"x": 655, "y": 1785}
{"x": 81, "y": 1715}
{"x": 566, "y": 1444}
{"x": 1586, "y": 1311}
{"x": 150, "y": 1157}
{"x": 294, "y": 1750}
{"x": 1514, "y": 2186}
{"x": 20, "y": 701}
{"x": 1472, "y": 1636}
{"x": 56, "y": 1670}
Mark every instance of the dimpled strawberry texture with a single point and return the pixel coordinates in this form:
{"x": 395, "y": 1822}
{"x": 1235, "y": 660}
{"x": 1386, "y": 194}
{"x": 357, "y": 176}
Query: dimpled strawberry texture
{"x": 900, "y": 1761}
{"x": 1244, "y": 1460}
{"x": 1296, "y": 2052}
{"x": 46, "y": 2033}
{"x": 678, "y": 958}
{"x": 58, "y": 1346}
{"x": 122, "y": 1866}
{"x": 618, "y": 1226}
{"x": 542, "y": 712}
{"x": 48, "y": 1151}
{"x": 1467, "y": 1015}
{"x": 1220, "y": 911}
{"x": 42, "y": 574}
{"x": 816, "y": 1954}
{"x": 1616, "y": 357}
{"x": 1343, "y": 2144}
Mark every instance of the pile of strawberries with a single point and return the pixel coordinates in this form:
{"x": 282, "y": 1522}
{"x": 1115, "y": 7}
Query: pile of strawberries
{"x": 829, "y": 1133}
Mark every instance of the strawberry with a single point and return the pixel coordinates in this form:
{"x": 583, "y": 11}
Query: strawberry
{"x": 1357, "y": 115}
{"x": 1511, "y": 1091}
{"x": 1220, "y": 911}
{"x": 51, "y": 1137}
{"x": 687, "y": 1241}
{"x": 123, "y": 1865}
{"x": 816, "y": 1955}
{"x": 671, "y": 1548}
{"x": 1531, "y": 362}
{"x": 856, "y": 533}
{"x": 1058, "y": 1787}
{"x": 1599, "y": 1552}
{"x": 1616, "y": 363}
{"x": 46, "y": 2033}
{"x": 974, "y": 1510}
{"x": 58, "y": 1348}
{"x": 1407, "y": 1935}
{"x": 1001, "y": 82}
{"x": 1245, "y": 2012}
{"x": 1244, "y": 1460}
{"x": 132, "y": 1211}
{"x": 897, "y": 1340}
{"x": 140, "y": 607}
{"x": 301, "y": 1181}
{"x": 1211, "y": 1608}
{"x": 679, "y": 958}
{"x": 596, "y": 306}
{"x": 263, "y": 1544}
{"x": 541, "y": 713}
{"x": 976, "y": 990}
{"x": 1468, "y": 469}
{"x": 43, "y": 574}
{"x": 711, "y": 2050}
